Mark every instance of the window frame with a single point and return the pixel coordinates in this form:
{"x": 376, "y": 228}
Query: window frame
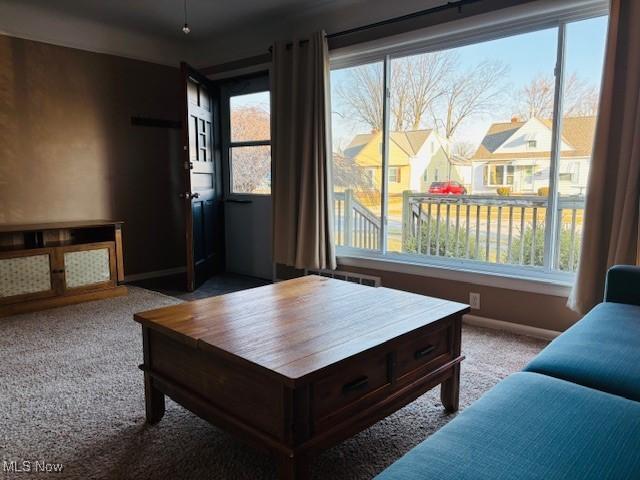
{"x": 505, "y": 175}
{"x": 546, "y": 273}
{"x": 253, "y": 84}
{"x": 398, "y": 175}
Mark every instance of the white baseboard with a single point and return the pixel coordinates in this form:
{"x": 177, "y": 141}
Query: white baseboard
{"x": 510, "y": 327}
{"x": 155, "y": 274}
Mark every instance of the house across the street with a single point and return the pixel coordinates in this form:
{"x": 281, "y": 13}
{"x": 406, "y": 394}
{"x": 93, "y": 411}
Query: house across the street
{"x": 417, "y": 158}
{"x": 517, "y": 154}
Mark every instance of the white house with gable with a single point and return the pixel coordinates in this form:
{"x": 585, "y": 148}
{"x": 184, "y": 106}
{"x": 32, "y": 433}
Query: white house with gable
{"x": 517, "y": 155}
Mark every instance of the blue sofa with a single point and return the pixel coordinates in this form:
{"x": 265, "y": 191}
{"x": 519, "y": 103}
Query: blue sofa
{"x": 573, "y": 413}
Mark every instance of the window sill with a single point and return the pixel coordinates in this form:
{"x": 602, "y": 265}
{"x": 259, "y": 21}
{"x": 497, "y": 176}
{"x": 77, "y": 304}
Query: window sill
{"x": 524, "y": 280}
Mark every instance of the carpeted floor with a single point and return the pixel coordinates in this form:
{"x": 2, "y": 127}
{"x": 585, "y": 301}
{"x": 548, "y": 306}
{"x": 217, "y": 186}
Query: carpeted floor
{"x": 71, "y": 393}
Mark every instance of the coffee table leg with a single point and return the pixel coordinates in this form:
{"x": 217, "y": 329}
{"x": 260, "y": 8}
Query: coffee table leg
{"x": 450, "y": 391}
{"x": 153, "y": 401}
{"x": 293, "y": 468}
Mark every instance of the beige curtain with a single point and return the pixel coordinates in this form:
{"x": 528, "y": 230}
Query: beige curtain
{"x": 611, "y": 217}
{"x": 302, "y": 183}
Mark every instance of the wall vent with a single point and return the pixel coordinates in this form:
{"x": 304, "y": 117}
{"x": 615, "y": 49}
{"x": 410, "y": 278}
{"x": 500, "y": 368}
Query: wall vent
{"x": 361, "y": 278}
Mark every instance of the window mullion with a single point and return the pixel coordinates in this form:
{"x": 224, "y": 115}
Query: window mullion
{"x": 551, "y": 227}
{"x": 386, "y": 94}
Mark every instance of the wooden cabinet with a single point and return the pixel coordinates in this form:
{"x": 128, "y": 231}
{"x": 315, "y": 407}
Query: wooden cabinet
{"x": 48, "y": 265}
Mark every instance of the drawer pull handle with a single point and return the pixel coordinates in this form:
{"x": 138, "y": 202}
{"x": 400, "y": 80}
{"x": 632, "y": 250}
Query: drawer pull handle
{"x": 355, "y": 385}
{"x": 423, "y": 352}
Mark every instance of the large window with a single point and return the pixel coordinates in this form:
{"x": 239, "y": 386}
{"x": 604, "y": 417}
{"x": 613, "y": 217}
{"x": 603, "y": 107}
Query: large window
{"x": 475, "y": 156}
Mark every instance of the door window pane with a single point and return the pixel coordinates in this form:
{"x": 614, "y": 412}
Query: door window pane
{"x": 251, "y": 169}
{"x": 356, "y": 95}
{"x": 584, "y": 58}
{"x": 250, "y": 117}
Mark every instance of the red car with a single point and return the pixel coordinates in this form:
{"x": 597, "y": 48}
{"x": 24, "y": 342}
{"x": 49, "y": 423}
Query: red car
{"x": 447, "y": 188}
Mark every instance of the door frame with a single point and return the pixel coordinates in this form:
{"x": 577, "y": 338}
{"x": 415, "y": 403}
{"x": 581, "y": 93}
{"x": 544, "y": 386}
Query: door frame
{"x": 254, "y": 82}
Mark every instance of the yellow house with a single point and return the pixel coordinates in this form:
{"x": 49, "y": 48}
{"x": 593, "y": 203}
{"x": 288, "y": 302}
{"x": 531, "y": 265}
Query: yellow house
{"x": 415, "y": 159}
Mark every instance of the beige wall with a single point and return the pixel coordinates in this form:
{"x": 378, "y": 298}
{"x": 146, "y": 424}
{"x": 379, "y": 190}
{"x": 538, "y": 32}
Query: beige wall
{"x": 68, "y": 150}
{"x": 536, "y": 310}
{"x": 533, "y": 309}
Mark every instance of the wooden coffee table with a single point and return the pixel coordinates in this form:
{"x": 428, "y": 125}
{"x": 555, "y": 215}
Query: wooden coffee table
{"x": 301, "y": 365}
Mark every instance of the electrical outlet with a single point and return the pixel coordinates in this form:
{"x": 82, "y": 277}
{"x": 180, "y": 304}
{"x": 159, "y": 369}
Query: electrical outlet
{"x": 474, "y": 301}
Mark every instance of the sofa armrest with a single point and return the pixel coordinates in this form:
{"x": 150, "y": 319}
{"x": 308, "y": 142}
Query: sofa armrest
{"x": 623, "y": 285}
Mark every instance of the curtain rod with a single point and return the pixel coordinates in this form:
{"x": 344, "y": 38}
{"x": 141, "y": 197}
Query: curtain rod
{"x": 267, "y": 56}
{"x": 390, "y": 21}
{"x": 429, "y": 11}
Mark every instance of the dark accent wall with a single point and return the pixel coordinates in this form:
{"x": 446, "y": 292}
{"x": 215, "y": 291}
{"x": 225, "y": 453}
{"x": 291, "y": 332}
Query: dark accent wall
{"x": 69, "y": 150}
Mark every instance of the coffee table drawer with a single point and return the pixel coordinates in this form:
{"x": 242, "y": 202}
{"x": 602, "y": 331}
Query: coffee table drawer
{"x": 351, "y": 387}
{"x": 430, "y": 348}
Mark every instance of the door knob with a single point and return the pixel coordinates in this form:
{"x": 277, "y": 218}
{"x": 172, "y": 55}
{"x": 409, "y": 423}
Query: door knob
{"x": 189, "y": 196}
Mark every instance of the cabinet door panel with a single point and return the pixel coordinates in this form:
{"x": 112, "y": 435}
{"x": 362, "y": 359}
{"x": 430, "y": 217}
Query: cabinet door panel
{"x": 89, "y": 267}
{"x": 25, "y": 275}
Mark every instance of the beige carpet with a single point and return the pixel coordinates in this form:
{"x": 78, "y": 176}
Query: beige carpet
{"x": 71, "y": 393}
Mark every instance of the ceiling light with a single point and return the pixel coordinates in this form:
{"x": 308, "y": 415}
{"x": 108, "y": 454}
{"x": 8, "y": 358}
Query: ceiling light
{"x": 186, "y": 30}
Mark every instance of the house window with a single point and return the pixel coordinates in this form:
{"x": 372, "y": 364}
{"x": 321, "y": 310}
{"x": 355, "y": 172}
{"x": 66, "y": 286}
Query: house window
{"x": 496, "y": 114}
{"x": 526, "y": 174}
{"x": 394, "y": 175}
{"x": 370, "y": 175}
{"x": 499, "y": 175}
{"x": 569, "y": 172}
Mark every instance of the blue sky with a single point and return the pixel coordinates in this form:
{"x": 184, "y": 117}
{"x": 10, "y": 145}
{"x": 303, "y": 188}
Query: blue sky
{"x": 259, "y": 100}
{"x": 527, "y": 55}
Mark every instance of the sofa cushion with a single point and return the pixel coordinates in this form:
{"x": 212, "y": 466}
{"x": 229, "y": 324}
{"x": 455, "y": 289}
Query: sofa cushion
{"x": 531, "y": 426}
{"x": 600, "y": 351}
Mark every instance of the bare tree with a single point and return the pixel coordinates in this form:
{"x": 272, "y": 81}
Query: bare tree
{"x": 463, "y": 149}
{"x": 416, "y": 82}
{"x": 428, "y": 90}
{"x": 362, "y": 94}
{"x": 536, "y": 98}
{"x": 472, "y": 92}
{"x": 347, "y": 174}
{"x": 580, "y": 98}
{"x": 251, "y": 166}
